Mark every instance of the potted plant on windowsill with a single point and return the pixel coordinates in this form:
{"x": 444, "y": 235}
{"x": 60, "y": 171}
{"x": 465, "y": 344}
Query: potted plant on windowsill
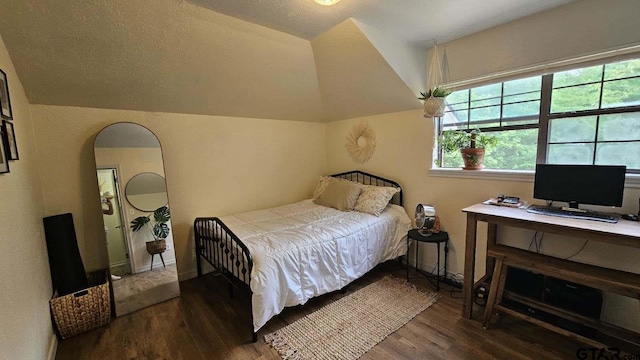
{"x": 434, "y": 101}
{"x": 472, "y": 145}
{"x": 160, "y": 229}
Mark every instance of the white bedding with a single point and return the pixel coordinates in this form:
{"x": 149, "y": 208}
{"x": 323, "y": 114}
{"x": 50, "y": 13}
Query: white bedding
{"x": 303, "y": 250}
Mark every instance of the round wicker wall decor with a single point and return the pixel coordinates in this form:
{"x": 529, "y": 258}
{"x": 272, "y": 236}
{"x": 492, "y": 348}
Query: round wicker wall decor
{"x": 361, "y": 142}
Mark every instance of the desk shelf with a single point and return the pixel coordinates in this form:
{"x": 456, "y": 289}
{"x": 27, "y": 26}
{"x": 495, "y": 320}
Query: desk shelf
{"x": 623, "y": 233}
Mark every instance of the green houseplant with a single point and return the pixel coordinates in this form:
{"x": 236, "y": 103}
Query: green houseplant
{"x": 159, "y": 231}
{"x": 438, "y": 91}
{"x": 434, "y": 101}
{"x": 471, "y": 144}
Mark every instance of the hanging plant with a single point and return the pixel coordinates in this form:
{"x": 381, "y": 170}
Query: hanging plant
{"x": 438, "y": 91}
{"x": 434, "y": 104}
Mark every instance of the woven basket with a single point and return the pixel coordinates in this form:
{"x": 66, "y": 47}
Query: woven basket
{"x": 156, "y": 246}
{"x": 83, "y": 310}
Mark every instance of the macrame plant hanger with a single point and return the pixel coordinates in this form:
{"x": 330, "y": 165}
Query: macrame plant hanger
{"x": 434, "y": 105}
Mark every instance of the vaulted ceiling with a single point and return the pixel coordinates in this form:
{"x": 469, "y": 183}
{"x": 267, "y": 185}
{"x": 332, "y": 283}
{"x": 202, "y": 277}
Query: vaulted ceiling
{"x": 285, "y": 59}
{"x": 414, "y": 21}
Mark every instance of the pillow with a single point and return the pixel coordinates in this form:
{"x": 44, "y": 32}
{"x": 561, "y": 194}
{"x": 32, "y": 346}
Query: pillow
{"x": 341, "y": 195}
{"x": 321, "y": 187}
{"x": 374, "y": 199}
{"x": 324, "y": 182}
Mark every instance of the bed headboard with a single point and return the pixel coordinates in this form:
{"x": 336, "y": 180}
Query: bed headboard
{"x": 369, "y": 179}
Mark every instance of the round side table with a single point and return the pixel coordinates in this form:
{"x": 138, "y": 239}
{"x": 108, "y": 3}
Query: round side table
{"x": 434, "y": 238}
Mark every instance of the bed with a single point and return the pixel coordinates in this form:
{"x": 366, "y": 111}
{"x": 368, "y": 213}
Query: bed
{"x": 289, "y": 254}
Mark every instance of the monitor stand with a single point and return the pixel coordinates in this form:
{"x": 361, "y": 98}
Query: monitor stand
{"x": 573, "y": 207}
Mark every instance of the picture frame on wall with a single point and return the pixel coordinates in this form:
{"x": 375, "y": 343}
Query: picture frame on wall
{"x": 4, "y": 162}
{"x": 10, "y": 140}
{"x": 5, "y": 101}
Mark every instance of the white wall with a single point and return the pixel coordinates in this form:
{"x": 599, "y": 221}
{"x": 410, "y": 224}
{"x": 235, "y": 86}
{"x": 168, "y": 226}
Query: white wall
{"x": 214, "y": 166}
{"x": 25, "y": 283}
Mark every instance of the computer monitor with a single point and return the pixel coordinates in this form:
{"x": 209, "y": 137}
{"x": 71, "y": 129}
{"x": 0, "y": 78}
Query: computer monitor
{"x": 580, "y": 184}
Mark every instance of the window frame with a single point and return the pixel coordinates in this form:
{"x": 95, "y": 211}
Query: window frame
{"x": 545, "y": 116}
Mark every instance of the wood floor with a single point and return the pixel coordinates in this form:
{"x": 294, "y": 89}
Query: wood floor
{"x": 137, "y": 291}
{"x": 205, "y": 324}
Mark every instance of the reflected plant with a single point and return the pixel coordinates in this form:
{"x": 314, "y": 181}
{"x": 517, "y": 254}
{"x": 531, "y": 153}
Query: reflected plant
{"x": 160, "y": 229}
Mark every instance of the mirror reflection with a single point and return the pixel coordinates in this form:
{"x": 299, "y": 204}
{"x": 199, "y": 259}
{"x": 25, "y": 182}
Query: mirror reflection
{"x": 147, "y": 191}
{"x": 137, "y": 221}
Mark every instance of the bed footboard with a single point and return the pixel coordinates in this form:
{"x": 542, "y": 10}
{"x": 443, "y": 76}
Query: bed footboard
{"x": 220, "y": 247}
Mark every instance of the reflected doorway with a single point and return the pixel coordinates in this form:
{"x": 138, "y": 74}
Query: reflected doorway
{"x": 117, "y": 244}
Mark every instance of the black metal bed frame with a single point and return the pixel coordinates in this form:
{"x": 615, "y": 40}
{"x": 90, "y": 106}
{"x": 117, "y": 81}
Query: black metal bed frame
{"x": 220, "y": 247}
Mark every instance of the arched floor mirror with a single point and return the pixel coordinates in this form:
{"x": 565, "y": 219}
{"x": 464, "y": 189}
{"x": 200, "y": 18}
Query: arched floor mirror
{"x": 136, "y": 215}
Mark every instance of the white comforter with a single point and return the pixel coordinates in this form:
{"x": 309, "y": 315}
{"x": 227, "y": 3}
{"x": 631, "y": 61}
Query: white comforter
{"x": 303, "y": 250}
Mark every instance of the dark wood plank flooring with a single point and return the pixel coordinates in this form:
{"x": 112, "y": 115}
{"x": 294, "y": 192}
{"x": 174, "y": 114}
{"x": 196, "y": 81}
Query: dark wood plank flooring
{"x": 203, "y": 323}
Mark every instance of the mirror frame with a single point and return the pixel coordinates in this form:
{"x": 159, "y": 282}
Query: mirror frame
{"x": 146, "y": 210}
{"x": 116, "y": 311}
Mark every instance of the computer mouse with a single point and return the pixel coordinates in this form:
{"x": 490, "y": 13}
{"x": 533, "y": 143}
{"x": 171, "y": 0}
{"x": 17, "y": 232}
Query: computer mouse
{"x": 632, "y": 217}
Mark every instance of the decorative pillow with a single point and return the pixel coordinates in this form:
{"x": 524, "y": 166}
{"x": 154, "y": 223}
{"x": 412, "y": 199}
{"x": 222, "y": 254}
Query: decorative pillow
{"x": 341, "y": 195}
{"x": 374, "y": 199}
{"x": 324, "y": 182}
{"x": 322, "y": 186}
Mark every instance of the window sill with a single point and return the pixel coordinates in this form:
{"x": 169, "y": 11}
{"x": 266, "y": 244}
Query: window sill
{"x": 632, "y": 180}
{"x": 486, "y": 174}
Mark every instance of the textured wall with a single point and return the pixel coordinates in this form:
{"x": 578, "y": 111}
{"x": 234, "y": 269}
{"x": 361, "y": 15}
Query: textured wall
{"x": 214, "y": 166}
{"x": 183, "y": 58}
{"x": 305, "y": 19}
{"x": 355, "y": 80}
{"x": 158, "y": 55}
{"x": 408, "y": 60}
{"x": 25, "y": 283}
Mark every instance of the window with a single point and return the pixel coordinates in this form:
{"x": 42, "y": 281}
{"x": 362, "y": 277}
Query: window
{"x": 589, "y": 115}
{"x": 510, "y": 110}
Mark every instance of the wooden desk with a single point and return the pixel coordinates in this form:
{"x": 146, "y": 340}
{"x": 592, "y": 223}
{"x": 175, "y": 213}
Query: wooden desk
{"x": 625, "y": 233}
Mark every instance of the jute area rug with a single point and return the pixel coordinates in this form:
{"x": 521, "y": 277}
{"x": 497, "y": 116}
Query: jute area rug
{"x": 352, "y": 325}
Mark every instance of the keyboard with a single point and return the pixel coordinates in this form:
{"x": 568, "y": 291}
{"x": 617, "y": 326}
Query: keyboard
{"x": 553, "y": 211}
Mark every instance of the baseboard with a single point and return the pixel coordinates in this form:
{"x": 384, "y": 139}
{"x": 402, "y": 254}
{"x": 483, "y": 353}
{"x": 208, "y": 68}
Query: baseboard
{"x": 186, "y": 275}
{"x": 428, "y": 267}
{"x": 119, "y": 263}
{"x": 53, "y": 347}
{"x": 155, "y": 265}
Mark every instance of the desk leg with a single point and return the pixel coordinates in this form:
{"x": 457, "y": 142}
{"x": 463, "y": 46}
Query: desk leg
{"x": 406, "y": 257}
{"x": 492, "y": 235}
{"x": 469, "y": 266}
